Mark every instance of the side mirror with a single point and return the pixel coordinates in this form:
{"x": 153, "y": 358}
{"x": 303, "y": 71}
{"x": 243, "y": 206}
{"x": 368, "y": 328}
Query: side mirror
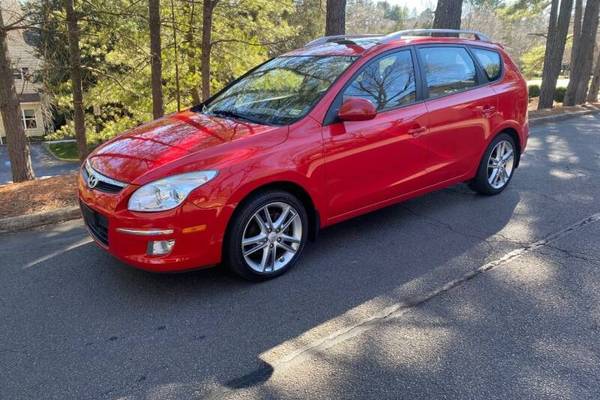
{"x": 357, "y": 109}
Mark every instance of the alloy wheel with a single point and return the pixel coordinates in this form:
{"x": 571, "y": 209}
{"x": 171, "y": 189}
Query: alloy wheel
{"x": 500, "y": 164}
{"x": 272, "y": 237}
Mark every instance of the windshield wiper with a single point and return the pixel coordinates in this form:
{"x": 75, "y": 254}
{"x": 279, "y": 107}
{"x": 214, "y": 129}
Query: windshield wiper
{"x": 233, "y": 114}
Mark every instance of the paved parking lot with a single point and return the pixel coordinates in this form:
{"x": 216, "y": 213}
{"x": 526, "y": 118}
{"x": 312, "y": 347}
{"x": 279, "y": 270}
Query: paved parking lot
{"x": 452, "y": 295}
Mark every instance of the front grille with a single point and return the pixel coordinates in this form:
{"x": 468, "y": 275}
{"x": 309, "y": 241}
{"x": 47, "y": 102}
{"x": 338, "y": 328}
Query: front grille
{"x": 102, "y": 185}
{"x": 96, "y": 223}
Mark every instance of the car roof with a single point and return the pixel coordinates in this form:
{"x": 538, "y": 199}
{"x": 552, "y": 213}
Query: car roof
{"x": 361, "y": 46}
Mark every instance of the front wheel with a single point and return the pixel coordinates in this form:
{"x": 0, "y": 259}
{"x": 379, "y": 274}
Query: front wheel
{"x": 266, "y": 236}
{"x": 497, "y": 166}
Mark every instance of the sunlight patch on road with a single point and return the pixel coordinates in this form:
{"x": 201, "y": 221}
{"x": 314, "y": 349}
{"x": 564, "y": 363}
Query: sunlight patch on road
{"x": 58, "y": 252}
{"x": 348, "y": 326}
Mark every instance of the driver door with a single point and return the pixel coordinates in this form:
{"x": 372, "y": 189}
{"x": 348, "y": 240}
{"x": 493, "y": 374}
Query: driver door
{"x": 372, "y": 162}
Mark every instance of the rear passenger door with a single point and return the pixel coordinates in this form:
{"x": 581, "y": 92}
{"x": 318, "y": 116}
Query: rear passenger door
{"x": 460, "y": 106}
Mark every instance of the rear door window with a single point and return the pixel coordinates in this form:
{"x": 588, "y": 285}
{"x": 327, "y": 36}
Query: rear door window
{"x": 447, "y": 70}
{"x": 490, "y": 61}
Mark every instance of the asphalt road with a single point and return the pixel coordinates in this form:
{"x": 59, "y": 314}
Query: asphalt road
{"x": 43, "y": 163}
{"x": 452, "y": 295}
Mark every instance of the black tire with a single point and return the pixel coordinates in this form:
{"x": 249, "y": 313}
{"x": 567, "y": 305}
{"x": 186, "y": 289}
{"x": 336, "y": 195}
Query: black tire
{"x": 481, "y": 183}
{"x": 233, "y": 256}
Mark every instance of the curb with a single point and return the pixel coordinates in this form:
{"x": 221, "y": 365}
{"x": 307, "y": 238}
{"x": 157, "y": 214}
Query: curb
{"x": 23, "y": 222}
{"x": 560, "y": 117}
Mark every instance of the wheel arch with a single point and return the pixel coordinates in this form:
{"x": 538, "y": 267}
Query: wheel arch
{"x": 296, "y": 189}
{"x": 515, "y": 135}
{"x": 512, "y": 129}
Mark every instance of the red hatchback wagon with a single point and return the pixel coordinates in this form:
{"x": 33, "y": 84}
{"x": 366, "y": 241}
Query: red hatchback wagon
{"x": 341, "y": 127}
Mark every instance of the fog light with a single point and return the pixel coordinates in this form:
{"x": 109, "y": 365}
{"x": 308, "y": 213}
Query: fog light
{"x": 160, "y": 247}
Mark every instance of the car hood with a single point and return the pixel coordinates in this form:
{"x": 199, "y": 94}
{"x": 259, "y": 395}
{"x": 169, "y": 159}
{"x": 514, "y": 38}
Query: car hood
{"x": 149, "y": 146}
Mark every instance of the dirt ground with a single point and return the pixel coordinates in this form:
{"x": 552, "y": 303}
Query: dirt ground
{"x": 38, "y": 195}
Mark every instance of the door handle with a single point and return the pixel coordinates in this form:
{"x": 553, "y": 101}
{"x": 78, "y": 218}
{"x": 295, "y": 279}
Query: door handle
{"x": 417, "y": 131}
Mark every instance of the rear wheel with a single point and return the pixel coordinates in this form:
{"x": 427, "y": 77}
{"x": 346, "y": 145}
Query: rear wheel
{"x": 496, "y": 167}
{"x": 266, "y": 236}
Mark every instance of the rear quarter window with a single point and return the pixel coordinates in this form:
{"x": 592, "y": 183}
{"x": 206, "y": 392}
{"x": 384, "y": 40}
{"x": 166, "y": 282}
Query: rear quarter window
{"x": 490, "y": 61}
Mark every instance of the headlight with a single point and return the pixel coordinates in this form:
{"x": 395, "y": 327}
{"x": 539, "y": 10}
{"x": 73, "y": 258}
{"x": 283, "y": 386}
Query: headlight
{"x": 168, "y": 193}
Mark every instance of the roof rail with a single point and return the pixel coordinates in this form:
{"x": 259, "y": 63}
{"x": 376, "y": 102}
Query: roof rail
{"x": 335, "y": 38}
{"x": 434, "y": 32}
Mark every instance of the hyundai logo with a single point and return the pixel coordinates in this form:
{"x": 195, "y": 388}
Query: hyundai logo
{"x": 92, "y": 181}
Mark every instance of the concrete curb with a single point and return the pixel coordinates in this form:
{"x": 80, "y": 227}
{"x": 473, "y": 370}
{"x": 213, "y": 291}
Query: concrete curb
{"x": 23, "y": 222}
{"x": 560, "y": 117}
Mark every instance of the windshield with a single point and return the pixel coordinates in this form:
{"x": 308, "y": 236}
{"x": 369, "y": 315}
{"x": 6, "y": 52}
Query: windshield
{"x": 281, "y": 91}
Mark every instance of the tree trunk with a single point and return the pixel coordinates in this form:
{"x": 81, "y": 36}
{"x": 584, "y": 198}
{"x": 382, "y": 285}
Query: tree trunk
{"x": 582, "y": 69}
{"x": 592, "y": 96}
{"x": 576, "y": 30}
{"x": 335, "y": 19}
{"x": 555, "y": 48}
{"x": 176, "y": 49}
{"x": 155, "y": 58}
{"x": 207, "y": 19}
{"x": 16, "y": 141}
{"x": 447, "y": 14}
{"x": 191, "y": 50}
{"x": 75, "y": 61}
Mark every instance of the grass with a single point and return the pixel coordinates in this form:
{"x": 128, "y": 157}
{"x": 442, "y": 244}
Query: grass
{"x": 64, "y": 151}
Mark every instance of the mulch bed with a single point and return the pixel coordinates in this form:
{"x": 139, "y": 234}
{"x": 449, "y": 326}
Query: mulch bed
{"x": 38, "y": 195}
{"x": 558, "y": 109}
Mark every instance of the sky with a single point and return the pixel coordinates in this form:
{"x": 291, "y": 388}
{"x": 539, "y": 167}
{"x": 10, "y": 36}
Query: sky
{"x": 420, "y": 5}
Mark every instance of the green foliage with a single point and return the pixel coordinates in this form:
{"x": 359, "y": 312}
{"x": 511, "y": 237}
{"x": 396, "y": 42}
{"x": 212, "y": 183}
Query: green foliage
{"x": 532, "y": 61}
{"x": 521, "y": 9}
{"x": 559, "y": 94}
{"x": 114, "y": 43}
{"x": 534, "y": 91}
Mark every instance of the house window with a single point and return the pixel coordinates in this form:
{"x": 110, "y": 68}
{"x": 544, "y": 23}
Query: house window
{"x": 21, "y": 73}
{"x": 29, "y": 120}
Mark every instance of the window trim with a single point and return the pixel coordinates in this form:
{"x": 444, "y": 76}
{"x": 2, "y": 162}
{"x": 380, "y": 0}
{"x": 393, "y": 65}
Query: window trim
{"x": 480, "y": 77}
{"x": 331, "y": 115}
{"x": 502, "y": 69}
{"x": 24, "y": 118}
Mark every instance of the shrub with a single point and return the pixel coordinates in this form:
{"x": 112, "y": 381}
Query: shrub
{"x": 532, "y": 61}
{"x": 559, "y": 94}
{"x": 534, "y": 91}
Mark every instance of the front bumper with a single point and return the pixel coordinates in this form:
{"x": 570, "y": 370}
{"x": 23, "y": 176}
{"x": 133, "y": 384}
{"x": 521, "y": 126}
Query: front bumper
{"x": 196, "y": 231}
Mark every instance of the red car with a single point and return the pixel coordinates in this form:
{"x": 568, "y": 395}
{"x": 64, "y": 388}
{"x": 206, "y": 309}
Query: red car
{"x": 339, "y": 128}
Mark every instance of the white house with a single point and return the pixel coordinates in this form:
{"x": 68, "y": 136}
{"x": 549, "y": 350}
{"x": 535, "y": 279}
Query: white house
{"x": 25, "y": 63}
